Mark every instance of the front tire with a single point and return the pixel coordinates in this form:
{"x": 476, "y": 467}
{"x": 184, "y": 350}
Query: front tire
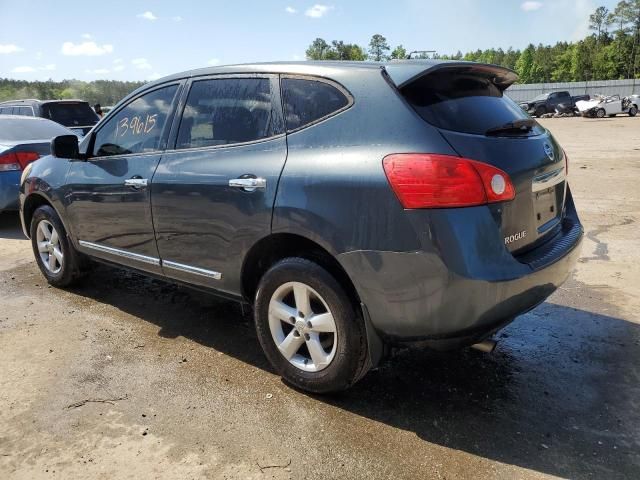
{"x": 308, "y": 328}
{"x": 600, "y": 113}
{"x": 540, "y": 111}
{"x": 58, "y": 261}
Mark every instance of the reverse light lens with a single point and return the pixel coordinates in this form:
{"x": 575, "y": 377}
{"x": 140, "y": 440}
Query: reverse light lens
{"x": 436, "y": 181}
{"x": 16, "y": 160}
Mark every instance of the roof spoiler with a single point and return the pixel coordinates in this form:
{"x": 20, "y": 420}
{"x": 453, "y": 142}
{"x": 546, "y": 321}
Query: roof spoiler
{"x": 402, "y": 74}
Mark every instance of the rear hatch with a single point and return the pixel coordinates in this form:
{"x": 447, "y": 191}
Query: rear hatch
{"x": 76, "y": 115}
{"x": 467, "y": 104}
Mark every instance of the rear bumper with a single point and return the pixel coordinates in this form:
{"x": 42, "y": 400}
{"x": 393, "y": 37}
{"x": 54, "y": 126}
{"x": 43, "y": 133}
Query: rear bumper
{"x": 9, "y": 187}
{"x": 459, "y": 292}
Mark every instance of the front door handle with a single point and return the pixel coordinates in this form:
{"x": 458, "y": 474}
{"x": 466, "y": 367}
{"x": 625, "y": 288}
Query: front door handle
{"x": 136, "y": 182}
{"x": 248, "y": 184}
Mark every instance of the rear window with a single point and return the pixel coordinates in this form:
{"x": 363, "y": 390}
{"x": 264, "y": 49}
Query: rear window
{"x": 306, "y": 101}
{"x": 70, "y": 114}
{"x": 18, "y": 129}
{"x": 463, "y": 102}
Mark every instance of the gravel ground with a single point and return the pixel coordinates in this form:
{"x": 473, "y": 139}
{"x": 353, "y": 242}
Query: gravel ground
{"x": 126, "y": 377}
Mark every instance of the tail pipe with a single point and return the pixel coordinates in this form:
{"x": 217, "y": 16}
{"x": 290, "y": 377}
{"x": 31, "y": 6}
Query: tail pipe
{"x": 486, "y": 346}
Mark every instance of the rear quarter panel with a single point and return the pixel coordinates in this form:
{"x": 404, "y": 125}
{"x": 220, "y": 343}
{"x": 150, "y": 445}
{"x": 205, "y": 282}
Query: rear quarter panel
{"x": 333, "y": 189}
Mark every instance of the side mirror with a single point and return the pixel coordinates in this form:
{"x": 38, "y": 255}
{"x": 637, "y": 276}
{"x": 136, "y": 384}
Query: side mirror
{"x": 65, "y": 146}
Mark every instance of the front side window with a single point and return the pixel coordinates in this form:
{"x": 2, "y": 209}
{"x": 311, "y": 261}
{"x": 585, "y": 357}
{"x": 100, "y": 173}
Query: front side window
{"x": 226, "y": 111}
{"x": 137, "y": 128}
{"x": 306, "y": 101}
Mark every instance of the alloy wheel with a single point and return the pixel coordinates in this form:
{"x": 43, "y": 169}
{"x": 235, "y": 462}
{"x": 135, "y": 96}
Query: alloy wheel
{"x": 302, "y": 327}
{"x": 49, "y": 247}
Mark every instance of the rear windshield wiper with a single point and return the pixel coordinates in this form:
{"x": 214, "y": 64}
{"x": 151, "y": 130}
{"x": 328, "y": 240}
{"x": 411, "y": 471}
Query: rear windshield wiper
{"x": 518, "y": 126}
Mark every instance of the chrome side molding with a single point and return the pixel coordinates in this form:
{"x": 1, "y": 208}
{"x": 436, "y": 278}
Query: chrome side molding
{"x": 189, "y": 269}
{"x": 120, "y": 253}
{"x": 151, "y": 260}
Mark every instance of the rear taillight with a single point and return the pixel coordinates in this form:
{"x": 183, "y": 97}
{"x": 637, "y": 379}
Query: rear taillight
{"x": 16, "y": 160}
{"x": 424, "y": 180}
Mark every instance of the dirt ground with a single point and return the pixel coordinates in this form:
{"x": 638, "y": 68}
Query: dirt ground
{"x": 125, "y": 377}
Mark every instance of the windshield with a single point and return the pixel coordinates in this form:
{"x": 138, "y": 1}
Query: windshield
{"x": 70, "y": 114}
{"x": 16, "y": 129}
{"x": 463, "y": 102}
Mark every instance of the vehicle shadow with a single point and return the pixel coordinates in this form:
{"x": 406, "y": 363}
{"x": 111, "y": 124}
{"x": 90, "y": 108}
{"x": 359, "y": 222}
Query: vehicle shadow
{"x": 10, "y": 228}
{"x": 559, "y": 395}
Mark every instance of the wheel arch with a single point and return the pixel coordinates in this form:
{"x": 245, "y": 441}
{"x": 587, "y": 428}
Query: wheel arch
{"x": 277, "y": 246}
{"x": 31, "y": 204}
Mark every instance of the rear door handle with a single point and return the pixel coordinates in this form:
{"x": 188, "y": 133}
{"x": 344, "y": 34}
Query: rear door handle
{"x": 248, "y": 184}
{"x": 136, "y": 182}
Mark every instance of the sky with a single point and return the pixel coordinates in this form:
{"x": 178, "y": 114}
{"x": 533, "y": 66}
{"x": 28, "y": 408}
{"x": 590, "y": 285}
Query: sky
{"x": 147, "y": 39}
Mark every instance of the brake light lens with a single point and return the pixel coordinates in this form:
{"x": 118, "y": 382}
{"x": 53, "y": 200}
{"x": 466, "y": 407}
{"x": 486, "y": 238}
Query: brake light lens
{"x": 16, "y": 160}
{"x": 424, "y": 180}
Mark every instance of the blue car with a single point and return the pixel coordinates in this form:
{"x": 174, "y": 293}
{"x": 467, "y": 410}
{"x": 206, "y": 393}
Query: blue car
{"x": 352, "y": 205}
{"x": 22, "y": 140}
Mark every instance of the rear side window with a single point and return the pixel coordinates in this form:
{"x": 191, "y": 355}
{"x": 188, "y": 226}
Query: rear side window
{"x": 5, "y": 110}
{"x": 70, "y": 114}
{"x": 306, "y": 101}
{"x": 24, "y": 111}
{"x": 463, "y": 102}
{"x": 226, "y": 111}
{"x": 137, "y": 128}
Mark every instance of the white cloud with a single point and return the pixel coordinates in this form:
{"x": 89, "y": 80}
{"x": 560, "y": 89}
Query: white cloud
{"x": 147, "y": 16}
{"x": 98, "y": 71}
{"x": 49, "y": 67}
{"x": 23, "y": 69}
{"x": 87, "y": 36}
{"x": 290, "y": 10}
{"x": 154, "y": 76}
{"x": 177, "y": 18}
{"x": 117, "y": 60}
{"x": 141, "y": 63}
{"x": 118, "y": 68}
{"x": 9, "y": 48}
{"x": 295, "y": 57}
{"x": 531, "y": 6}
{"x": 318, "y": 11}
{"x": 213, "y": 62}
{"x": 89, "y": 49}
{"x": 38, "y": 55}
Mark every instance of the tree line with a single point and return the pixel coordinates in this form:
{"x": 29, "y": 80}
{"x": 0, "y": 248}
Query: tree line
{"x": 610, "y": 52}
{"x": 104, "y": 92}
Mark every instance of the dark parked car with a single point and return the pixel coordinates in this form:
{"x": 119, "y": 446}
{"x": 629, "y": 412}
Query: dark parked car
{"x": 549, "y": 102}
{"x": 76, "y": 115}
{"x": 352, "y": 204}
{"x": 22, "y": 141}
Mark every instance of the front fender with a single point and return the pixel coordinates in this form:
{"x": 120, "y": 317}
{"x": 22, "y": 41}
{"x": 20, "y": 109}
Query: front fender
{"x": 43, "y": 182}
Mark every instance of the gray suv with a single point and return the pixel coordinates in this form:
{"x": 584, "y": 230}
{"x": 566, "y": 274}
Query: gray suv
{"x": 353, "y": 205}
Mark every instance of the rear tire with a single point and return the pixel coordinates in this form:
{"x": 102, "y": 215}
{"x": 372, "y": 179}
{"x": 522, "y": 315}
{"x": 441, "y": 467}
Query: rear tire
{"x": 633, "y": 111}
{"x": 324, "y": 355}
{"x": 600, "y": 113}
{"x": 56, "y": 257}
